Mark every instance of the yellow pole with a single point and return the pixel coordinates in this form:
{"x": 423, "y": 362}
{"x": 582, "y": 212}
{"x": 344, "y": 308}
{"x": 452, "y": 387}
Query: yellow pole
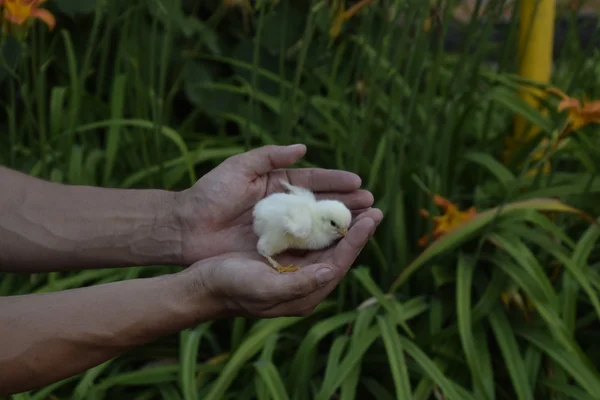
{"x": 535, "y": 55}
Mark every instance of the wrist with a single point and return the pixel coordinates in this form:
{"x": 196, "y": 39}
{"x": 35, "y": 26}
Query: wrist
{"x": 194, "y": 295}
{"x": 167, "y": 230}
{"x": 191, "y": 230}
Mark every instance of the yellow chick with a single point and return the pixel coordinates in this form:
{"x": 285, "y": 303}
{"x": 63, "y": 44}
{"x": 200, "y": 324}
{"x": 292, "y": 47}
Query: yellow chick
{"x": 297, "y": 220}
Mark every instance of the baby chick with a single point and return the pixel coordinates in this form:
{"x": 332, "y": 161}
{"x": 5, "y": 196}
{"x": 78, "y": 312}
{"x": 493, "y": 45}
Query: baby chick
{"x": 297, "y": 220}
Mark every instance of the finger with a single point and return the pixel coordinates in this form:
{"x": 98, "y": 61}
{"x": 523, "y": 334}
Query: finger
{"x": 374, "y": 213}
{"x": 296, "y": 303}
{"x": 358, "y": 212}
{"x": 301, "y": 283}
{"x": 302, "y": 307}
{"x": 301, "y": 302}
{"x": 265, "y": 159}
{"x": 348, "y": 249}
{"x": 305, "y": 257}
{"x": 359, "y": 199}
{"x": 324, "y": 180}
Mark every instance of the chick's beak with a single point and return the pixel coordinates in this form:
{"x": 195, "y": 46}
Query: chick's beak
{"x": 343, "y": 232}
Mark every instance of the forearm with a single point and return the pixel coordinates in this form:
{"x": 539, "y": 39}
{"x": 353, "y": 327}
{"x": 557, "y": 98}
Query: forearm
{"x": 49, "y": 337}
{"x": 46, "y": 226}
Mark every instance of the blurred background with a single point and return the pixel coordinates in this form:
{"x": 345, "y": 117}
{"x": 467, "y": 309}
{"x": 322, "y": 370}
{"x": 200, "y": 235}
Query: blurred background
{"x": 474, "y": 123}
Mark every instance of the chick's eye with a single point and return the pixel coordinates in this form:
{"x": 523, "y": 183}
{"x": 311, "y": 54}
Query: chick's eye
{"x": 332, "y": 223}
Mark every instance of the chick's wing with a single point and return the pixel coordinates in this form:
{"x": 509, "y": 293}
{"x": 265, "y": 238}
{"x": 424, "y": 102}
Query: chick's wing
{"x": 298, "y": 221}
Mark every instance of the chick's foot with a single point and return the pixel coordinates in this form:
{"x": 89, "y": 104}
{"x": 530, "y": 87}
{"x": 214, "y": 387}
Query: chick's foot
{"x": 281, "y": 268}
{"x": 288, "y": 268}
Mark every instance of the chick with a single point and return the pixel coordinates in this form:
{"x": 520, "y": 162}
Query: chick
{"x": 297, "y": 220}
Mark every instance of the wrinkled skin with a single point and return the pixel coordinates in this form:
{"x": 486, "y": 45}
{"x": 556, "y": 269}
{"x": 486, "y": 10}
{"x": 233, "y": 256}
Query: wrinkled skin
{"x": 217, "y": 211}
{"x": 51, "y": 336}
{"x": 246, "y": 285}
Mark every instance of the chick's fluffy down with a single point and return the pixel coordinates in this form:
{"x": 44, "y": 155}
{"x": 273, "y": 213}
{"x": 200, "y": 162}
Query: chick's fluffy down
{"x": 282, "y": 222}
{"x": 296, "y": 220}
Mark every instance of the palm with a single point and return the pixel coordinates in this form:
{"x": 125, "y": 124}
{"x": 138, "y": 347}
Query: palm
{"x": 248, "y": 285}
{"x": 220, "y": 205}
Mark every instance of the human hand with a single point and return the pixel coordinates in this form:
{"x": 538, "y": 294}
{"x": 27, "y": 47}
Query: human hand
{"x": 243, "y": 284}
{"x": 216, "y": 213}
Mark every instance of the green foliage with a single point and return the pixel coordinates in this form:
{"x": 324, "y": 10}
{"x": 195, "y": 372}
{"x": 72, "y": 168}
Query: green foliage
{"x": 154, "y": 93}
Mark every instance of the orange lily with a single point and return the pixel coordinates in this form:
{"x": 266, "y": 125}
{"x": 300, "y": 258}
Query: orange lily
{"x": 342, "y": 15}
{"x": 544, "y": 148}
{"x": 581, "y": 112}
{"x": 451, "y": 218}
{"x": 514, "y": 296}
{"x": 18, "y": 12}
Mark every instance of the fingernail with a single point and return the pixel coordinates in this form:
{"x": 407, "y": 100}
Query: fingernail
{"x": 324, "y": 276}
{"x": 295, "y": 147}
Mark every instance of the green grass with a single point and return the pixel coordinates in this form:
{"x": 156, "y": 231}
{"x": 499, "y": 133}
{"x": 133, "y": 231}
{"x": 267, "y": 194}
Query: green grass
{"x": 154, "y": 93}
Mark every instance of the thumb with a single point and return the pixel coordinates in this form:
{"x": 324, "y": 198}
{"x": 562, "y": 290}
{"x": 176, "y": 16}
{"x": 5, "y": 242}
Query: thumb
{"x": 265, "y": 159}
{"x": 302, "y": 283}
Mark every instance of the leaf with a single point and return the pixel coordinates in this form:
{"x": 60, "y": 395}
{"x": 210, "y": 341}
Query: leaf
{"x": 271, "y": 377}
{"x": 529, "y": 264}
{"x": 75, "y": 169}
{"x": 511, "y": 354}
{"x": 379, "y": 391}
{"x": 44, "y": 393}
{"x": 570, "y": 289}
{"x": 353, "y": 357}
{"x": 168, "y": 392}
{"x": 141, "y": 377}
{"x": 72, "y": 7}
{"x": 472, "y": 227}
{"x": 196, "y": 75}
{"x": 431, "y": 370}
{"x": 377, "y": 162}
{"x": 533, "y": 363}
{"x": 350, "y": 385}
{"x": 77, "y": 280}
{"x": 196, "y": 157}
{"x": 266, "y": 356}
{"x": 511, "y": 100}
{"x": 334, "y": 362}
{"x": 546, "y": 303}
{"x": 169, "y": 133}
{"x": 571, "y": 392}
{"x": 396, "y": 359}
{"x": 282, "y": 28}
{"x": 84, "y": 387}
{"x": 57, "y": 104}
{"x": 362, "y": 274}
{"x": 576, "y": 267}
{"x": 113, "y": 136}
{"x": 583, "y": 372}
{"x": 252, "y": 345}
{"x": 484, "y": 358}
{"x": 11, "y": 55}
{"x": 304, "y": 360}
{"x": 464, "y": 282}
{"x": 502, "y": 173}
{"x": 188, "y": 353}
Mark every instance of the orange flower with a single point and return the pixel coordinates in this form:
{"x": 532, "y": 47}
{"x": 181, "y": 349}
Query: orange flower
{"x": 544, "y": 148}
{"x": 581, "y": 113}
{"x": 451, "y": 218}
{"x": 20, "y": 11}
{"x": 521, "y": 301}
{"x": 342, "y": 15}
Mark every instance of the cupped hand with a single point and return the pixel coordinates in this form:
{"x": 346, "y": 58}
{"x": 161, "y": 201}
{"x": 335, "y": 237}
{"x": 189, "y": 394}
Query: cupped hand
{"x": 216, "y": 213}
{"x": 243, "y": 284}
